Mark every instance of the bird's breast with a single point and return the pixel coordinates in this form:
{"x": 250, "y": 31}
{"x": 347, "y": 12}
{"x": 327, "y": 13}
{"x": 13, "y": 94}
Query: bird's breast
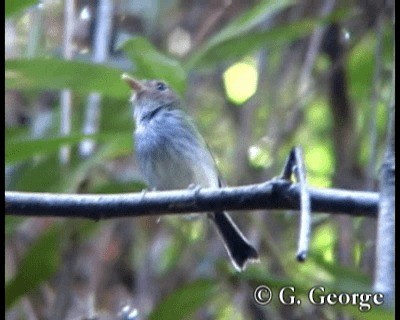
{"x": 170, "y": 156}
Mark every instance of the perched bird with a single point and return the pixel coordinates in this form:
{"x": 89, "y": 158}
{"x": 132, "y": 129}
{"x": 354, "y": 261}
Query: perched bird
{"x": 172, "y": 154}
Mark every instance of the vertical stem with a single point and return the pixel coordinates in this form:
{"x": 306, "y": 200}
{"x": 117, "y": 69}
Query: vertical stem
{"x": 35, "y": 30}
{"x": 66, "y": 95}
{"x": 100, "y": 54}
{"x": 385, "y": 254}
{"x": 374, "y": 105}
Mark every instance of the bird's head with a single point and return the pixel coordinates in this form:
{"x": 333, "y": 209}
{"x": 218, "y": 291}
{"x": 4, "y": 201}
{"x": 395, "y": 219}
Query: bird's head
{"x": 149, "y": 96}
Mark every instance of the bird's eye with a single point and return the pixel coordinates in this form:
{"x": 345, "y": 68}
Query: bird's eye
{"x": 161, "y": 86}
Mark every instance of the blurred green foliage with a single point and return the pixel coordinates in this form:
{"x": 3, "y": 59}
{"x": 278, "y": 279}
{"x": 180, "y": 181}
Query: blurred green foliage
{"x": 143, "y": 54}
{"x": 39, "y": 263}
{"x": 184, "y": 301}
{"x": 51, "y": 73}
{"x": 13, "y": 7}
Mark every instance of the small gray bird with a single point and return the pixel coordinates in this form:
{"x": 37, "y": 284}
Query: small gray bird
{"x": 172, "y": 154}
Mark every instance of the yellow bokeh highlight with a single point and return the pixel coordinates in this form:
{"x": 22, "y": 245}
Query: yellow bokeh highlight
{"x": 240, "y": 81}
{"x": 324, "y": 240}
{"x": 319, "y": 158}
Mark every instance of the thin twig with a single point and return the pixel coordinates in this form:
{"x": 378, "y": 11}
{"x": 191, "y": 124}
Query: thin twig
{"x": 305, "y": 88}
{"x": 296, "y": 105}
{"x": 210, "y": 23}
{"x": 295, "y": 165}
{"x": 313, "y": 49}
{"x": 305, "y": 215}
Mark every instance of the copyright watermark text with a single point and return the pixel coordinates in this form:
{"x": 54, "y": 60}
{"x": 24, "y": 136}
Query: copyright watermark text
{"x": 318, "y": 296}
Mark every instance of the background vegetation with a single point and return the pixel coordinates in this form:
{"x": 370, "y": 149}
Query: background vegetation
{"x": 258, "y": 77}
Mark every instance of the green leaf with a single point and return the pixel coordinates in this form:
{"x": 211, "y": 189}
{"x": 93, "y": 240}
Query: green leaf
{"x": 236, "y": 41}
{"x": 39, "y": 263}
{"x": 234, "y": 32}
{"x": 19, "y": 150}
{"x": 46, "y": 173}
{"x": 152, "y": 64}
{"x": 250, "y": 19}
{"x": 186, "y": 300}
{"x": 13, "y": 7}
{"x": 51, "y": 73}
{"x": 16, "y": 132}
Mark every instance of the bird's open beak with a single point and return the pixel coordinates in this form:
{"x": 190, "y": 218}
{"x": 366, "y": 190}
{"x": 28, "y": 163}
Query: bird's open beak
{"x": 132, "y": 82}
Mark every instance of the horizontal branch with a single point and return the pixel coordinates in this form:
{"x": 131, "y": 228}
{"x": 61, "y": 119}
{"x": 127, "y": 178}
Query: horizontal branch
{"x": 275, "y": 194}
